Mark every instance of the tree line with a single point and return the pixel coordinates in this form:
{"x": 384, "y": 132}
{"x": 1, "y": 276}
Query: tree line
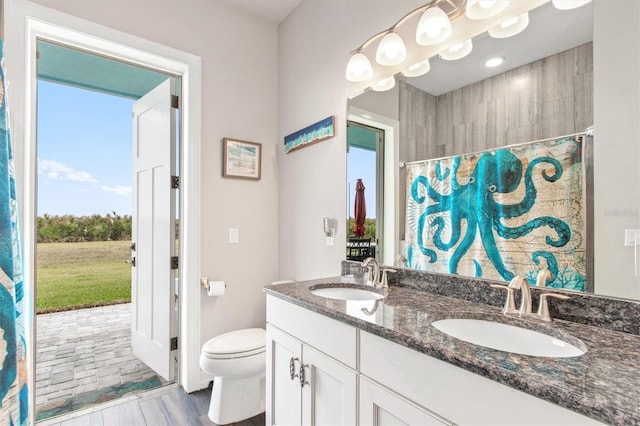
{"x": 71, "y": 229}
{"x": 369, "y": 227}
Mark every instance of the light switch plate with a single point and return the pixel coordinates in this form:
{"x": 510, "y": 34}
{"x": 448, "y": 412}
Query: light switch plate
{"x": 630, "y": 237}
{"x": 330, "y": 241}
{"x": 234, "y": 235}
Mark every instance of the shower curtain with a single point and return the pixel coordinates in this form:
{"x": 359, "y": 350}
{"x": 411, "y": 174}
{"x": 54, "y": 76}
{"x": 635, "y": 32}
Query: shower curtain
{"x": 500, "y": 213}
{"x": 13, "y": 350}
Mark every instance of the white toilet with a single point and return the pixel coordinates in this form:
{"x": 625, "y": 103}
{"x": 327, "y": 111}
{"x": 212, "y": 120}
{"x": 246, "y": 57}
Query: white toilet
{"x": 237, "y": 362}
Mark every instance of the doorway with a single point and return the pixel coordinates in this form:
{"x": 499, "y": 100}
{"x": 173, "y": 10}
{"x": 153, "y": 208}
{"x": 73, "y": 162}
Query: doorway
{"x": 365, "y": 168}
{"x": 30, "y": 22}
{"x": 90, "y": 355}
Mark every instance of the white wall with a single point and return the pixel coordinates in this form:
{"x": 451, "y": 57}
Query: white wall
{"x": 239, "y": 100}
{"x": 315, "y": 42}
{"x": 617, "y": 148}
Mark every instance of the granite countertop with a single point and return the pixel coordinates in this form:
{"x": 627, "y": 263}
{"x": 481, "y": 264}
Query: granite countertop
{"x": 603, "y": 384}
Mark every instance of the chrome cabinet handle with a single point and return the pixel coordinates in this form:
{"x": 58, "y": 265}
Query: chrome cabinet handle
{"x": 292, "y": 368}
{"x": 303, "y": 375}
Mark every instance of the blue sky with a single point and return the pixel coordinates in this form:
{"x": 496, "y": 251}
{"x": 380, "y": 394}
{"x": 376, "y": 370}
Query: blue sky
{"x": 361, "y": 164}
{"x": 84, "y": 151}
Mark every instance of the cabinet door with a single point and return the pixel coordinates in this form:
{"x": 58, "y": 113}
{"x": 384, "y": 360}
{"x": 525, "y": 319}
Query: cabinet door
{"x": 379, "y": 407}
{"x": 284, "y": 355}
{"x": 329, "y": 392}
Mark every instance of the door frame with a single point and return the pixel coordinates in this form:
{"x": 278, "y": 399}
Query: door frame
{"x": 380, "y": 164}
{"x": 390, "y": 230}
{"x": 24, "y": 23}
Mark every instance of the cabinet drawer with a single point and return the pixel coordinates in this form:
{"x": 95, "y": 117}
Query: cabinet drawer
{"x": 325, "y": 334}
{"x": 454, "y": 393}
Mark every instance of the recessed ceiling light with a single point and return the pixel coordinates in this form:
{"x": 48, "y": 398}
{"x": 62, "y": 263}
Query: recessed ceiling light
{"x": 494, "y": 62}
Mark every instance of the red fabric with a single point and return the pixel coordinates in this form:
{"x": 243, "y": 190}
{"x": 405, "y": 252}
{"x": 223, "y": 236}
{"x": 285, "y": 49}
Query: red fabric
{"x": 359, "y": 210}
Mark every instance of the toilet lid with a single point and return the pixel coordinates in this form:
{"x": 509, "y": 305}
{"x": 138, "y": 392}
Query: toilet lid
{"x": 240, "y": 342}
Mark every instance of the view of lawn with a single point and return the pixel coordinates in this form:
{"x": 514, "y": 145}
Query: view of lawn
{"x": 84, "y": 274}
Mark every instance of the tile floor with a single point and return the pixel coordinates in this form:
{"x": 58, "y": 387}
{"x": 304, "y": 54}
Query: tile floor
{"x": 168, "y": 405}
{"x": 82, "y": 352}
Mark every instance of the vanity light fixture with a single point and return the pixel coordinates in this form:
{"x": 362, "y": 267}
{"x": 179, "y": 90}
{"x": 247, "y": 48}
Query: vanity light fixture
{"x": 482, "y": 9}
{"x": 494, "y": 62}
{"x": 434, "y": 27}
{"x": 569, "y": 4}
{"x": 510, "y": 27}
{"x": 416, "y": 70}
{"x": 457, "y": 51}
{"x": 391, "y": 50}
{"x": 359, "y": 67}
{"x": 384, "y": 84}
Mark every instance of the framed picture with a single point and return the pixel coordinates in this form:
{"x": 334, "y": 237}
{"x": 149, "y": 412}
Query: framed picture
{"x": 241, "y": 159}
{"x": 323, "y": 129}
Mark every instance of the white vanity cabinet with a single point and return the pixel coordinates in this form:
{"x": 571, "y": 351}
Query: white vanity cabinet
{"x": 456, "y": 395}
{"x": 304, "y": 384}
{"x": 352, "y": 377}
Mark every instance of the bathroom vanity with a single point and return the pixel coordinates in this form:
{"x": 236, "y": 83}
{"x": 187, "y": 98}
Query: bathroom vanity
{"x": 368, "y": 362}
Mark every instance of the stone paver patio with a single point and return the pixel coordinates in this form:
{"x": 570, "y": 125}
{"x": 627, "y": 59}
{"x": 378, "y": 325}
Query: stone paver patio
{"x": 85, "y": 350}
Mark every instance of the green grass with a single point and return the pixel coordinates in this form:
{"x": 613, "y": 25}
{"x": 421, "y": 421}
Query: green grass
{"x": 81, "y": 275}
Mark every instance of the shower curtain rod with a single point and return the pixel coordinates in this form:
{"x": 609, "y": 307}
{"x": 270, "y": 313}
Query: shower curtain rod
{"x": 588, "y": 132}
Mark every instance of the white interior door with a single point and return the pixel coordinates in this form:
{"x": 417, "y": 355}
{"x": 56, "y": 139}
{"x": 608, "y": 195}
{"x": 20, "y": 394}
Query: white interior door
{"x": 153, "y": 229}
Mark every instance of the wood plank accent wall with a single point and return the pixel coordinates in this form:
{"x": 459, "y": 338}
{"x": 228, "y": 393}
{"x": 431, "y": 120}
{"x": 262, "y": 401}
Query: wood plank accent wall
{"x": 544, "y": 99}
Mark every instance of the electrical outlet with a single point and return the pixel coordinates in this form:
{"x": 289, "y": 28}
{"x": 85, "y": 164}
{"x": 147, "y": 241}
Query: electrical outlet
{"x": 631, "y": 236}
{"x": 234, "y": 235}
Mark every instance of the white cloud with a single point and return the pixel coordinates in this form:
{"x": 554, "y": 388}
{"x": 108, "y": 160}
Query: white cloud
{"x": 118, "y": 189}
{"x": 56, "y": 170}
{"x": 61, "y": 171}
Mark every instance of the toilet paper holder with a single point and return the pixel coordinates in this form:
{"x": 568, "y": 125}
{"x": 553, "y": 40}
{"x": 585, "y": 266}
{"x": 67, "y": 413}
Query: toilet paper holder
{"x": 205, "y": 282}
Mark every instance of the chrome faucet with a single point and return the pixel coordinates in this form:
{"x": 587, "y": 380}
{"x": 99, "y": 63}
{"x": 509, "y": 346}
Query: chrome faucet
{"x": 544, "y": 275}
{"x": 376, "y": 277}
{"x": 373, "y": 274}
{"x": 525, "y": 297}
{"x": 384, "y": 282}
{"x": 517, "y": 283}
{"x": 543, "y": 306}
{"x": 400, "y": 261}
{"x": 520, "y": 283}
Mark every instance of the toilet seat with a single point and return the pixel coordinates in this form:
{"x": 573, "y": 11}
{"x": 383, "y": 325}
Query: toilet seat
{"x": 236, "y": 344}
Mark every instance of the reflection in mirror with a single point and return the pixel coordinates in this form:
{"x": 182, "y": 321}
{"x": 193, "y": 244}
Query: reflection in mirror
{"x": 543, "y": 90}
{"x": 365, "y": 150}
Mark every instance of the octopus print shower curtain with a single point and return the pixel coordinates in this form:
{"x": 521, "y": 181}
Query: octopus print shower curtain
{"x": 13, "y": 362}
{"x": 497, "y": 214}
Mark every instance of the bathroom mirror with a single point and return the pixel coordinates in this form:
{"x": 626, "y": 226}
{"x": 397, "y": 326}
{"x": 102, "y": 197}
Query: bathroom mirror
{"x": 559, "y": 62}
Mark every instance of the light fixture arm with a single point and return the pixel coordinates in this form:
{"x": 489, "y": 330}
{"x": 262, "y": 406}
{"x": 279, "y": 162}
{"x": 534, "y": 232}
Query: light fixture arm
{"x": 457, "y": 10}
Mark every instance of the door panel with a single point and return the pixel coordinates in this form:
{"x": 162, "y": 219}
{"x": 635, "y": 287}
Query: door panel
{"x": 379, "y": 407}
{"x": 329, "y": 393}
{"x": 283, "y": 392}
{"x": 152, "y": 280}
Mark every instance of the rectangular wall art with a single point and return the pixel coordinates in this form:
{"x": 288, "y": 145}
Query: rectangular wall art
{"x": 241, "y": 159}
{"x": 317, "y": 132}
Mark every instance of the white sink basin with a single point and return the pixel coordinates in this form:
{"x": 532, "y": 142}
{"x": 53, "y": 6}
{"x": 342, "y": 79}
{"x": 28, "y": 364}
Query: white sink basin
{"x": 508, "y": 338}
{"x": 346, "y": 293}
